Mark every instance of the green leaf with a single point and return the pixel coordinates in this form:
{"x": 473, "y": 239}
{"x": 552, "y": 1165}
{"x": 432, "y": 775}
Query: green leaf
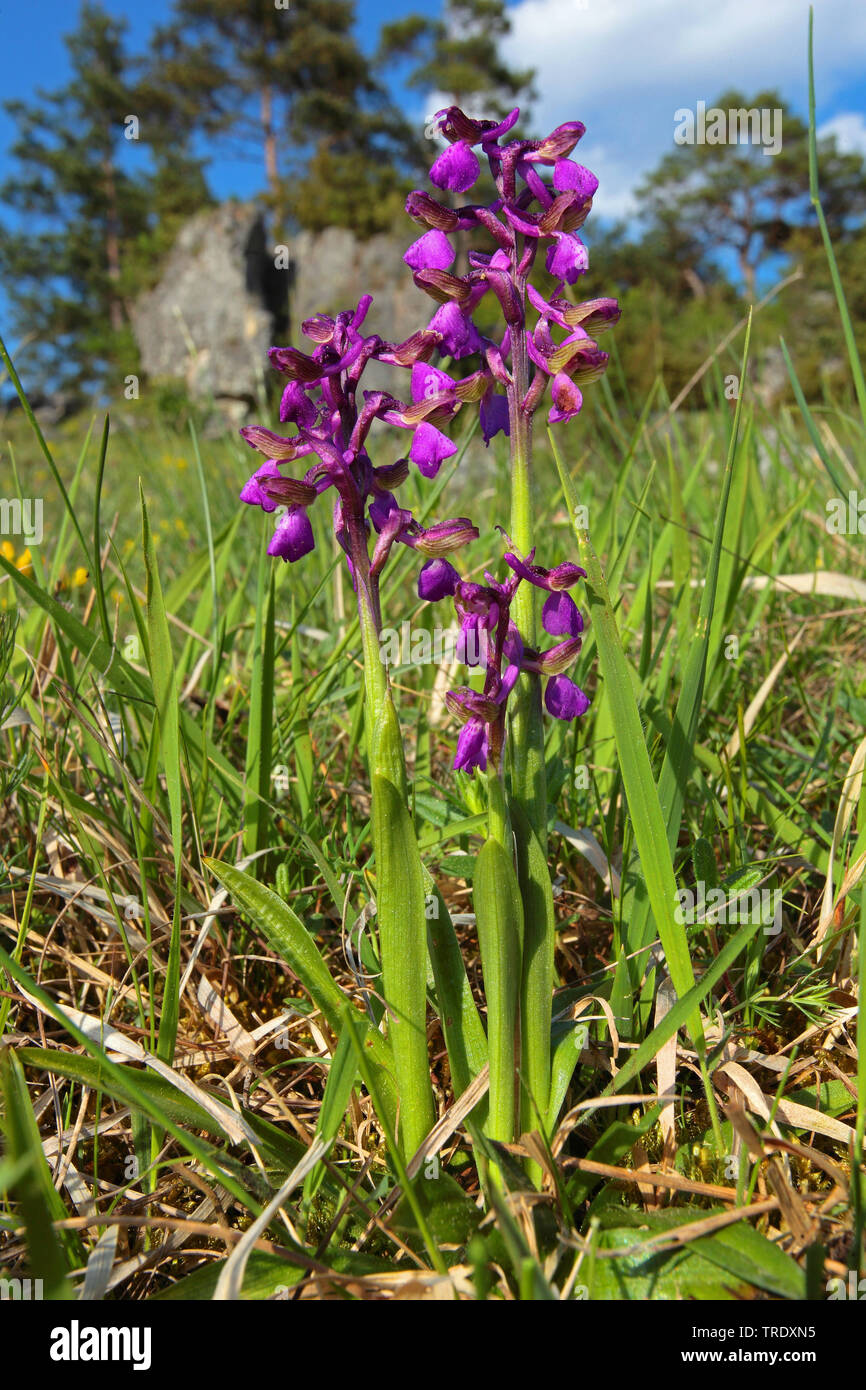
{"x": 809, "y": 421}
{"x": 465, "y": 1039}
{"x": 342, "y": 1074}
{"x": 402, "y": 922}
{"x": 34, "y": 424}
{"x": 647, "y": 819}
{"x": 566, "y": 1055}
{"x": 97, "y": 575}
{"x": 124, "y": 1078}
{"x": 39, "y": 1202}
{"x": 267, "y": 1274}
{"x": 289, "y": 937}
{"x": 831, "y": 1098}
{"x": 678, "y": 1015}
{"x": 259, "y": 751}
{"x": 165, "y": 1104}
{"x": 615, "y": 1143}
{"x": 671, "y": 1275}
{"x": 499, "y": 918}
{"x": 102, "y": 656}
{"x": 679, "y": 753}
{"x": 164, "y": 678}
{"x": 744, "y": 1252}
{"x": 371, "y": 1081}
{"x": 536, "y": 983}
{"x": 458, "y": 866}
{"x": 746, "y": 1258}
{"x": 451, "y": 1215}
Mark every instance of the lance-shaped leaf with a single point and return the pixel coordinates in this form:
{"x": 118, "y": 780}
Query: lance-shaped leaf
{"x": 648, "y": 821}
{"x": 289, "y": 937}
{"x": 465, "y": 1039}
{"x": 39, "y": 1203}
{"x": 499, "y": 915}
{"x": 160, "y": 659}
{"x": 536, "y": 986}
{"x": 400, "y": 911}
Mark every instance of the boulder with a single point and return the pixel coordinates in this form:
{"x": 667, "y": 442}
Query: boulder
{"x": 216, "y": 309}
{"x": 221, "y": 301}
{"x": 332, "y": 269}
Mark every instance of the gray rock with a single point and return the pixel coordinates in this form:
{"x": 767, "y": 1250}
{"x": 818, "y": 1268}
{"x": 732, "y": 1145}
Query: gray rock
{"x": 215, "y": 310}
{"x": 771, "y": 378}
{"x": 332, "y": 269}
{"x": 221, "y": 302}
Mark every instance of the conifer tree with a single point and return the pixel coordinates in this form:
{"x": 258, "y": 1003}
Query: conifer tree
{"x": 87, "y": 205}
{"x": 289, "y": 85}
{"x": 738, "y": 198}
{"x": 458, "y": 57}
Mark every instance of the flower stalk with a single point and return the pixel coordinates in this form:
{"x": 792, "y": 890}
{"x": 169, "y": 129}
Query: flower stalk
{"x": 542, "y": 197}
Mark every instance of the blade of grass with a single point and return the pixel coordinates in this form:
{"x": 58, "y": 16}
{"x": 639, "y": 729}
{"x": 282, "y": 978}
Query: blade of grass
{"x": 259, "y": 750}
{"x": 290, "y": 939}
{"x": 679, "y": 755}
{"x": 815, "y": 199}
{"x": 40, "y": 1203}
{"x": 641, "y": 793}
{"x": 160, "y": 660}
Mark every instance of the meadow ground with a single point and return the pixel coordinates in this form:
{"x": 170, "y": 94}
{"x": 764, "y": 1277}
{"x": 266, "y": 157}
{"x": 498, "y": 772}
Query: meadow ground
{"x": 171, "y": 697}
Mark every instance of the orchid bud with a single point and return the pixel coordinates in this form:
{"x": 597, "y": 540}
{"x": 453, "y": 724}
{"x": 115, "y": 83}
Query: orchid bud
{"x": 424, "y": 209}
{"x": 439, "y": 284}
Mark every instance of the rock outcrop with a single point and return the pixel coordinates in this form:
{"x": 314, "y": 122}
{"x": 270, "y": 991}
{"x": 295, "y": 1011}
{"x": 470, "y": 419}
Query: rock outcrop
{"x": 332, "y": 269}
{"x": 219, "y": 304}
{"x": 226, "y": 294}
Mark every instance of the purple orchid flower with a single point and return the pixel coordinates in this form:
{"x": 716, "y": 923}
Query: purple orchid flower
{"x": 489, "y": 638}
{"x": 543, "y": 196}
{"x": 331, "y": 429}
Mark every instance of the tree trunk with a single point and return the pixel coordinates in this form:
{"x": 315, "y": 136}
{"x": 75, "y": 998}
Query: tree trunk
{"x": 695, "y": 283}
{"x": 112, "y": 244}
{"x": 270, "y": 143}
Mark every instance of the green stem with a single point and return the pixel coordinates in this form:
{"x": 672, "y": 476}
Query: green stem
{"x": 385, "y": 754}
{"x": 400, "y": 896}
{"x": 498, "y": 811}
{"x": 528, "y": 775}
{"x": 526, "y": 751}
{"x": 499, "y": 918}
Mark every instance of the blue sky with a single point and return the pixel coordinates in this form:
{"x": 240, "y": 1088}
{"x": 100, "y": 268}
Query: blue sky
{"x": 624, "y": 67}
{"x": 33, "y": 54}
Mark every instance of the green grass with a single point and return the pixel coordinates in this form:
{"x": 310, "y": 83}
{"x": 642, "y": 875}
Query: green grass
{"x": 218, "y": 669}
{"x": 190, "y": 982}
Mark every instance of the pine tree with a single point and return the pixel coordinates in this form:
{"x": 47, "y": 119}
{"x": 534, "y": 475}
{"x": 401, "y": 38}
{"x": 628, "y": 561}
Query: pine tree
{"x": 86, "y": 215}
{"x": 738, "y": 199}
{"x": 458, "y": 57}
{"x": 289, "y": 83}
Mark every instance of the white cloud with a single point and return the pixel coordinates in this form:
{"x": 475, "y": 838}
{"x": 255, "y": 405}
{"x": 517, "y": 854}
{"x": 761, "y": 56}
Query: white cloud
{"x": 849, "y": 127}
{"x": 624, "y": 67}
